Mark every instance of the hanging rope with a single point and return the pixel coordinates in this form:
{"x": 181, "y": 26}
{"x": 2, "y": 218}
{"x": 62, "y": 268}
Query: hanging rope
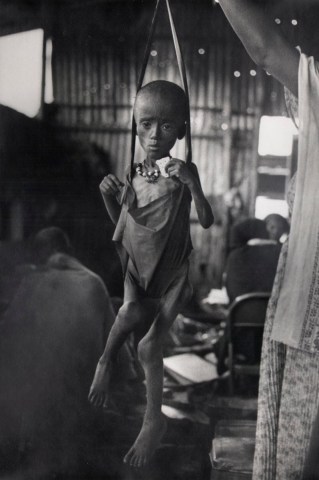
{"x": 182, "y": 71}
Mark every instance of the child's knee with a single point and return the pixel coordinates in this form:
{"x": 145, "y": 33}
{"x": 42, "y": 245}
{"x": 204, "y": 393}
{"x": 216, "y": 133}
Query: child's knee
{"x": 186, "y": 294}
{"x": 147, "y": 351}
{"x": 131, "y": 313}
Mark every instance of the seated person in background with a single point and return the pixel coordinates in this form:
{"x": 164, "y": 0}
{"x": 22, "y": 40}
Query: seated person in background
{"x": 277, "y": 227}
{"x": 250, "y": 267}
{"x": 252, "y": 262}
{"x": 53, "y": 333}
{"x": 14, "y": 265}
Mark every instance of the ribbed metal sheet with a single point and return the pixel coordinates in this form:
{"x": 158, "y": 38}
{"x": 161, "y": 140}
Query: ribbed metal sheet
{"x": 96, "y": 64}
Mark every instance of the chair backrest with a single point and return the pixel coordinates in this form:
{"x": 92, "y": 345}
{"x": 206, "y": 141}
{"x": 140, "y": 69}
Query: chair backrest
{"x": 245, "y": 323}
{"x": 249, "y": 310}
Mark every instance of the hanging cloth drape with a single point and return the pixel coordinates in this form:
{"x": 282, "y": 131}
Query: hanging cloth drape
{"x": 182, "y": 71}
{"x": 296, "y": 321}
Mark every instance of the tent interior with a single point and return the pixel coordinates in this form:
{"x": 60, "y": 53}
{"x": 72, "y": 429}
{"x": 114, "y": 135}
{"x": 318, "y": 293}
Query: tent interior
{"x": 68, "y": 76}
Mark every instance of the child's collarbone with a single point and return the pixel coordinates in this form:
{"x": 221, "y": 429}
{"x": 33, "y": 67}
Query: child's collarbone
{"x": 148, "y": 192}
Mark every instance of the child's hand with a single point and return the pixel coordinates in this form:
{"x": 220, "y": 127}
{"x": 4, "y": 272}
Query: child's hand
{"x": 177, "y": 168}
{"x": 110, "y": 185}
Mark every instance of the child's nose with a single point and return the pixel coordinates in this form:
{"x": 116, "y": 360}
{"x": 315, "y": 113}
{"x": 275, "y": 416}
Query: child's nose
{"x": 155, "y": 132}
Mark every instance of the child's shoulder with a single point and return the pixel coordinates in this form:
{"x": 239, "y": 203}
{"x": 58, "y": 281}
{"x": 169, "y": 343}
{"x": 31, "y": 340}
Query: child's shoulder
{"x": 130, "y": 170}
{"x": 194, "y": 170}
{"x": 192, "y": 166}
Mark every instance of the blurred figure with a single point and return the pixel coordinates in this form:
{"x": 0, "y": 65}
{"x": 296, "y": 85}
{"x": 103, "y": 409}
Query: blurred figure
{"x": 251, "y": 265}
{"x": 53, "y": 334}
{"x": 15, "y": 264}
{"x": 48, "y": 242}
{"x": 235, "y": 205}
{"x": 277, "y": 227}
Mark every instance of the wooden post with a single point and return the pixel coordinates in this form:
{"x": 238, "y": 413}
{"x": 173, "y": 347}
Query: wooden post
{"x": 259, "y": 100}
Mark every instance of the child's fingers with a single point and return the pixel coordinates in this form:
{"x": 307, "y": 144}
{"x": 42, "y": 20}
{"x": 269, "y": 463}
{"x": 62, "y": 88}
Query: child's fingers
{"x": 173, "y": 162}
{"x": 108, "y": 188}
{"x": 176, "y": 169}
{"x": 113, "y": 180}
{"x": 116, "y": 181}
{"x": 169, "y": 165}
{"x": 174, "y": 172}
{"x": 110, "y": 184}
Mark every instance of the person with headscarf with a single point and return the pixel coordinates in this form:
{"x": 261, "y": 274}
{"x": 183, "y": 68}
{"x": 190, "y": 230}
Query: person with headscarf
{"x": 289, "y": 377}
{"x": 252, "y": 262}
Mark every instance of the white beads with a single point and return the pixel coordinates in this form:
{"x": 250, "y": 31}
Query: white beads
{"x": 150, "y": 176}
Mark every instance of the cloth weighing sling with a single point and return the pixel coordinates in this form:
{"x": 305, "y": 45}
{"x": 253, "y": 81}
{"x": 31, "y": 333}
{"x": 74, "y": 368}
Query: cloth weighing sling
{"x": 156, "y": 237}
{"x": 297, "y": 315}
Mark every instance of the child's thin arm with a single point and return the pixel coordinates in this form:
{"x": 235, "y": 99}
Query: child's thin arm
{"x": 179, "y": 169}
{"x": 203, "y": 208}
{"x": 109, "y": 188}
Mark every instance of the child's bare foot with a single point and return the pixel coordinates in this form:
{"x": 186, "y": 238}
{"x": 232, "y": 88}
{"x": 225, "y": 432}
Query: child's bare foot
{"x": 146, "y": 443}
{"x": 99, "y": 391}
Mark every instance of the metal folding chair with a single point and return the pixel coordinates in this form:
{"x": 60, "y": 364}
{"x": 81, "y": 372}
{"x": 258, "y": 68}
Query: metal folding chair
{"x": 246, "y": 311}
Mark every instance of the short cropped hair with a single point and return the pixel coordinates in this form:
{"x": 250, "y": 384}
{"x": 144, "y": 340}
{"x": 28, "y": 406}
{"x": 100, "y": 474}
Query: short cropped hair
{"x": 280, "y": 220}
{"x": 246, "y": 230}
{"x": 171, "y": 93}
{"x": 49, "y": 241}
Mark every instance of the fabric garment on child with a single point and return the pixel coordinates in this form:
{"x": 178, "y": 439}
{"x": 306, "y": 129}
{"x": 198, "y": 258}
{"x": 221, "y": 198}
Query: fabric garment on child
{"x": 154, "y": 240}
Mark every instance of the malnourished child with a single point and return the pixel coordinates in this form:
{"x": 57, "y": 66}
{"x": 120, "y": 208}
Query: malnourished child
{"x": 151, "y": 211}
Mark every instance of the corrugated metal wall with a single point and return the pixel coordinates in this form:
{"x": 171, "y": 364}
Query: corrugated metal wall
{"x": 97, "y": 55}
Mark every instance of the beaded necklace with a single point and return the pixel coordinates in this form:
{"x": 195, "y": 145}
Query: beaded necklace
{"x": 151, "y": 176}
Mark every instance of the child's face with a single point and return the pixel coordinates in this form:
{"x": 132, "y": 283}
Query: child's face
{"x": 157, "y": 124}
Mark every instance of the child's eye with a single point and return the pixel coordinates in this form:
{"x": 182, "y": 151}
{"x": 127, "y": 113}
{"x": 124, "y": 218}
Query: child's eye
{"x": 146, "y": 124}
{"x": 166, "y": 126}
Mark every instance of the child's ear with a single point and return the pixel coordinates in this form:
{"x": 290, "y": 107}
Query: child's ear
{"x": 181, "y": 131}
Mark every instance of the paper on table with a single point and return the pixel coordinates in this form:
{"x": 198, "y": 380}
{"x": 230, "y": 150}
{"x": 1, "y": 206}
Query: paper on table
{"x": 190, "y": 368}
{"x": 217, "y": 296}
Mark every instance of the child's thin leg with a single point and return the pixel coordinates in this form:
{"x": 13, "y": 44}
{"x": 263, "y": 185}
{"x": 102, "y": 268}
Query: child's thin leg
{"x": 150, "y": 351}
{"x": 130, "y": 315}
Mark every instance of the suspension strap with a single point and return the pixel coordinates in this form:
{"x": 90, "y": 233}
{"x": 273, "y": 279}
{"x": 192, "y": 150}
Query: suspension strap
{"x": 182, "y": 71}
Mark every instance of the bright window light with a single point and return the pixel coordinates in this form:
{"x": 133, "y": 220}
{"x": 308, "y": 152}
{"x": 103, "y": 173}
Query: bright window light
{"x": 265, "y": 206}
{"x": 276, "y": 136}
{"x": 21, "y": 71}
{"x": 48, "y": 93}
